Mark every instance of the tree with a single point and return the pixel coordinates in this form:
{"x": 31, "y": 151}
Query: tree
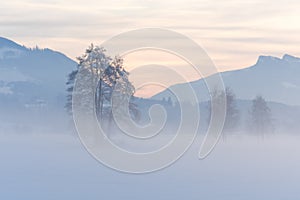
{"x": 260, "y": 117}
{"x": 70, "y": 86}
{"x": 232, "y": 113}
{"x": 120, "y": 90}
{"x": 92, "y": 63}
{"x": 102, "y": 74}
{"x": 170, "y": 102}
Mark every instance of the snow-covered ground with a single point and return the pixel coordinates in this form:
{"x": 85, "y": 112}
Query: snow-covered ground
{"x": 58, "y": 167}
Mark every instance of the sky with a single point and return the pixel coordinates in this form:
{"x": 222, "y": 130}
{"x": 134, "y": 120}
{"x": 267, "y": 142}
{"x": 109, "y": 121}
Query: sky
{"x": 234, "y": 33}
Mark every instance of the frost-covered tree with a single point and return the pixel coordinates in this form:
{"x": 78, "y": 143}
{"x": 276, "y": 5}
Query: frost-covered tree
{"x": 260, "y": 117}
{"x": 92, "y": 65}
{"x": 120, "y": 90}
{"x": 101, "y": 74}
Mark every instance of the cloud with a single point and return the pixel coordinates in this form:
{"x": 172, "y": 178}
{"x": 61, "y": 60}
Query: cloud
{"x": 267, "y": 26}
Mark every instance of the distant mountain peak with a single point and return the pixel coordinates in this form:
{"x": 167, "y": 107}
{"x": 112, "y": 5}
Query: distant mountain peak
{"x": 290, "y": 58}
{"x": 267, "y": 59}
{"x": 276, "y": 78}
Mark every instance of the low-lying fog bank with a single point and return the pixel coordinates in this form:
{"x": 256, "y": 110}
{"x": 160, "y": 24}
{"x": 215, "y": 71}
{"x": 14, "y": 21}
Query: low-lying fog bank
{"x": 240, "y": 167}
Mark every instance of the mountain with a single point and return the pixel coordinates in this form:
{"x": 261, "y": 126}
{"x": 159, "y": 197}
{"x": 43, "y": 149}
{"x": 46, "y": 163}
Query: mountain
{"x": 32, "y": 80}
{"x": 277, "y": 79}
{"x": 33, "y": 91}
{"x": 32, "y": 73}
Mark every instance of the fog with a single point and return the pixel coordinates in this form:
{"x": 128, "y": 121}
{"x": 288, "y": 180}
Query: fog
{"x": 51, "y": 147}
{"x": 56, "y": 166}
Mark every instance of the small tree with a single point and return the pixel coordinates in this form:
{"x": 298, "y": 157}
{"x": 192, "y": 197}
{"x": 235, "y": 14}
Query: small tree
{"x": 232, "y": 113}
{"x": 170, "y": 102}
{"x": 70, "y": 87}
{"x": 260, "y": 117}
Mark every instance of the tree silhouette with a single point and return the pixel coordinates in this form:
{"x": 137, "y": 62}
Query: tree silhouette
{"x": 260, "y": 117}
{"x": 232, "y": 113}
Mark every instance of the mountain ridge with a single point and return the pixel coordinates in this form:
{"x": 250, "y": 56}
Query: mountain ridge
{"x": 274, "y": 78}
{"x": 279, "y": 72}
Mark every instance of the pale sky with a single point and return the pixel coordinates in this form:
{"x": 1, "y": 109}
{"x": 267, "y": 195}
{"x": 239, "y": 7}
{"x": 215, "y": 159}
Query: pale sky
{"x": 234, "y": 32}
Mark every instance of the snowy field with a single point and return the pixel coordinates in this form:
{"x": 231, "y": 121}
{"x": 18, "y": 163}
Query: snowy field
{"x": 36, "y": 167}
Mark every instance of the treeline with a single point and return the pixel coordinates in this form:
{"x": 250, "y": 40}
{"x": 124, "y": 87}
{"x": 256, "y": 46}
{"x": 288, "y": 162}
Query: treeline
{"x": 258, "y": 119}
